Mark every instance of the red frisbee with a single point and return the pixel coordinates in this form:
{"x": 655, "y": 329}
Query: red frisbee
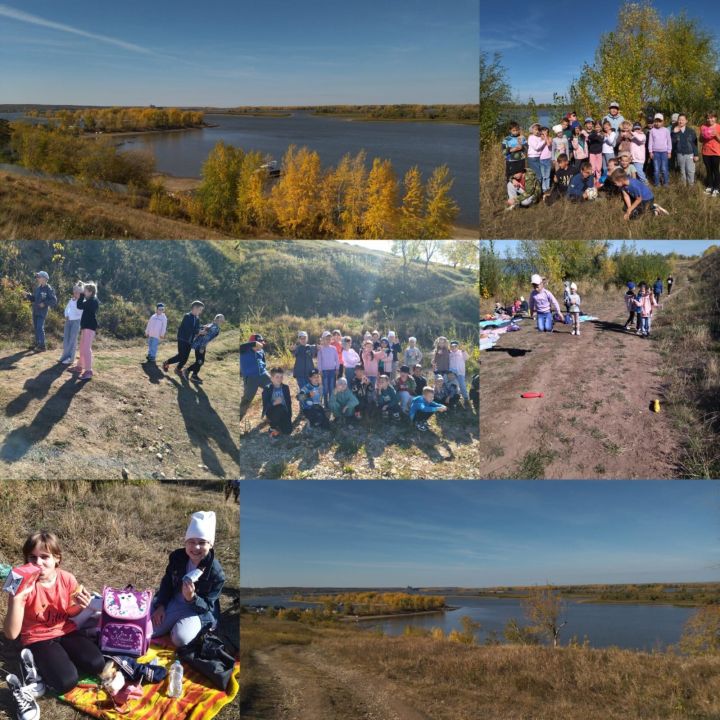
{"x": 532, "y": 395}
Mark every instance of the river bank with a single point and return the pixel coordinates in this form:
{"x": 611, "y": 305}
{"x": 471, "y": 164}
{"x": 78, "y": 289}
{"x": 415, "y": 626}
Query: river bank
{"x": 395, "y": 616}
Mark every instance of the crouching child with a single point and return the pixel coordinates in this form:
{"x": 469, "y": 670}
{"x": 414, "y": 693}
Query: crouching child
{"x": 277, "y": 406}
{"x": 387, "y": 399}
{"x": 422, "y": 408}
{"x": 362, "y": 389}
{"x": 342, "y": 401}
{"x": 310, "y": 398}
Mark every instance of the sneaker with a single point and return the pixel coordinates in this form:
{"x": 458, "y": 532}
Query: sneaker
{"x": 715, "y": 193}
{"x": 708, "y": 191}
{"x": 659, "y": 210}
{"x": 639, "y": 332}
{"x": 577, "y": 332}
{"x": 75, "y": 369}
{"x": 421, "y": 426}
{"x": 165, "y": 366}
{"x": 26, "y": 707}
{"x": 194, "y": 378}
{"x": 66, "y": 362}
{"x": 572, "y": 332}
{"x": 87, "y": 375}
{"x": 30, "y": 674}
{"x": 274, "y": 434}
{"x": 180, "y": 372}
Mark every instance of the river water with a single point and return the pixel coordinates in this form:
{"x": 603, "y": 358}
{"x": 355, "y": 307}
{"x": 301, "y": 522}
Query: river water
{"x": 629, "y": 626}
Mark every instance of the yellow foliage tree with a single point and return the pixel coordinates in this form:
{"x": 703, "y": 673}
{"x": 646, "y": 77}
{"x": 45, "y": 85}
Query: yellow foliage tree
{"x": 441, "y": 208}
{"x": 218, "y": 191}
{"x": 412, "y": 212}
{"x": 381, "y": 214}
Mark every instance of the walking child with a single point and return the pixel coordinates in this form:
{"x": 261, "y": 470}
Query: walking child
{"x": 155, "y": 331}
{"x": 71, "y": 331}
{"x": 187, "y": 330}
{"x": 542, "y": 302}
{"x": 205, "y": 336}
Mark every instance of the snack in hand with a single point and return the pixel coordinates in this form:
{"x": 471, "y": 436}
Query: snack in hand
{"x": 193, "y": 575}
{"x": 20, "y": 577}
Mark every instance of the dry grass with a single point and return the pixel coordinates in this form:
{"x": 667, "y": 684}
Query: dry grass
{"x": 692, "y": 213}
{"x": 451, "y": 681}
{"x": 115, "y": 534}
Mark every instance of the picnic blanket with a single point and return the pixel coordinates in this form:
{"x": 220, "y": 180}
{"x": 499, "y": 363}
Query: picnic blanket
{"x": 199, "y": 700}
{"x": 586, "y": 318}
{"x": 494, "y": 323}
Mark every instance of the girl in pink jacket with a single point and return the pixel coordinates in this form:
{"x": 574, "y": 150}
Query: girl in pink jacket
{"x": 645, "y": 302}
{"x": 370, "y": 360}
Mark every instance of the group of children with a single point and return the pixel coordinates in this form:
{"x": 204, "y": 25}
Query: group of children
{"x": 81, "y": 327}
{"x": 55, "y": 618}
{"x": 641, "y": 301}
{"x": 613, "y": 156}
{"x": 382, "y": 379}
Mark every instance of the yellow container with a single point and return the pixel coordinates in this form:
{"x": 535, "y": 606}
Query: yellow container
{"x": 656, "y": 406}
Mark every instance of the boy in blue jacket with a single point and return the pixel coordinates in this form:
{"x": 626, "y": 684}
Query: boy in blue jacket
{"x": 581, "y": 183}
{"x": 253, "y": 370}
{"x": 189, "y": 328}
{"x": 42, "y": 297}
{"x": 277, "y": 407}
{"x": 422, "y": 407}
{"x": 311, "y": 397}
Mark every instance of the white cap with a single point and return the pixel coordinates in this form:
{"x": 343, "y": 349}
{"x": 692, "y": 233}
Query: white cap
{"x": 302, "y": 333}
{"x": 341, "y": 381}
{"x": 202, "y": 526}
{"x": 391, "y": 333}
{"x": 557, "y": 128}
{"x": 573, "y": 286}
{"x": 659, "y": 116}
{"x": 535, "y": 279}
{"x": 522, "y": 299}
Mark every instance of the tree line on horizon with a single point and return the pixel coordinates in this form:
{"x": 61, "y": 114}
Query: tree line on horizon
{"x": 122, "y": 119}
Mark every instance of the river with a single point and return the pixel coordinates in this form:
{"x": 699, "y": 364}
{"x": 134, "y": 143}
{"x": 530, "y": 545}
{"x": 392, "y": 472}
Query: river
{"x": 629, "y": 626}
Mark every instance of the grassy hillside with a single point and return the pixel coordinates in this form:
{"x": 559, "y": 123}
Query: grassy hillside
{"x": 114, "y": 534}
{"x": 343, "y": 672}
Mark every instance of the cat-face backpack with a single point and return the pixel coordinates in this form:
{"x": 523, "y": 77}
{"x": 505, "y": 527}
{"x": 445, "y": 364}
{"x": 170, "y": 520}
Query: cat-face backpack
{"x": 125, "y": 625}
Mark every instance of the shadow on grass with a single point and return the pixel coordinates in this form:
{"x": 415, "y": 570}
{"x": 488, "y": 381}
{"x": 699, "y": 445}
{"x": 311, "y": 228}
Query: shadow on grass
{"x": 203, "y": 424}
{"x": 8, "y": 362}
{"x": 19, "y": 441}
{"x": 153, "y": 372}
{"x": 35, "y": 389}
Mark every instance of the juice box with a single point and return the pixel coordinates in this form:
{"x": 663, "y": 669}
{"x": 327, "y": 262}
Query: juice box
{"x": 20, "y": 577}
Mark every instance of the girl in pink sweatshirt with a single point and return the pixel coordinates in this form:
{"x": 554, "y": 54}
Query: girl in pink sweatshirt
{"x": 645, "y": 302}
{"x": 370, "y": 360}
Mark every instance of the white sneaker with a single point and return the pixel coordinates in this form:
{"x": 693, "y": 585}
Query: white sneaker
{"x": 26, "y": 707}
{"x": 31, "y": 676}
{"x": 578, "y": 332}
{"x": 715, "y": 193}
{"x": 639, "y": 332}
{"x": 708, "y": 191}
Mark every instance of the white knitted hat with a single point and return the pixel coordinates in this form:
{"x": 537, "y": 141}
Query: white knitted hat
{"x": 202, "y": 526}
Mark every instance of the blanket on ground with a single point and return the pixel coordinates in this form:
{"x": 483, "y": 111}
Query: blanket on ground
{"x": 199, "y": 700}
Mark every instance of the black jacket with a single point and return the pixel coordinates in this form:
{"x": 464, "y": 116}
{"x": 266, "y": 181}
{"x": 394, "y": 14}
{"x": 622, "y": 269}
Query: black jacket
{"x": 684, "y": 143}
{"x": 207, "y": 588}
{"x": 267, "y": 398}
{"x": 89, "y": 306}
{"x": 189, "y": 328}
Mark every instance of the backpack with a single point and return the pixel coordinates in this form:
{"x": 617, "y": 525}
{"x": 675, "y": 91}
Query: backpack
{"x": 125, "y": 626}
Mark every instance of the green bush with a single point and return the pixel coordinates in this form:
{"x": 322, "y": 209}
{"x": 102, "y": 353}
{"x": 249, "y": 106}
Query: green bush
{"x": 15, "y": 311}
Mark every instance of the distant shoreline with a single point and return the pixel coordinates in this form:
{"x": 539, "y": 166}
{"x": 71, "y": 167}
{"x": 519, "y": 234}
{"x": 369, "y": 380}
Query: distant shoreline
{"x": 390, "y": 616}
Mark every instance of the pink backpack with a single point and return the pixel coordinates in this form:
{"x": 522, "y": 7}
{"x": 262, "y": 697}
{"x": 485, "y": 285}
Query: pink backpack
{"x": 125, "y": 625}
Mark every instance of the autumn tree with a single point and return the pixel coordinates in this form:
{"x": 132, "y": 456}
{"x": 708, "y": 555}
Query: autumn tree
{"x": 461, "y": 252}
{"x": 381, "y": 214}
{"x": 516, "y": 634}
{"x": 412, "y": 212}
{"x": 217, "y": 193}
{"x": 408, "y": 250}
{"x": 441, "y": 208}
{"x": 544, "y": 609}
{"x": 494, "y": 93}
{"x": 428, "y": 250}
{"x": 253, "y": 209}
{"x": 701, "y": 634}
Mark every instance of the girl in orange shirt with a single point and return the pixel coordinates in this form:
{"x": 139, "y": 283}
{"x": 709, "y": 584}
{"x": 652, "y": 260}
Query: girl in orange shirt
{"x": 41, "y": 615}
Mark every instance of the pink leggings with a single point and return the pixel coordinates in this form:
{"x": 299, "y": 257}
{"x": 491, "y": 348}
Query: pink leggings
{"x": 596, "y": 162}
{"x": 86, "y": 355}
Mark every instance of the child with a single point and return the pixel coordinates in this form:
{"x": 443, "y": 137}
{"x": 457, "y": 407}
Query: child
{"x": 396, "y": 351}
{"x": 561, "y": 180}
{"x": 523, "y": 189}
{"x": 441, "y": 356}
{"x": 182, "y": 607}
{"x": 422, "y": 407}
{"x": 542, "y": 302}
{"x": 453, "y": 389}
{"x": 685, "y": 149}
{"x": 376, "y": 339}
{"x": 350, "y": 359}
{"x": 625, "y": 163}
{"x": 386, "y": 398}
{"x": 310, "y": 397}
{"x": 458, "y": 357}
{"x": 645, "y": 302}
{"x": 405, "y": 388}
{"x": 187, "y": 330}
{"x": 277, "y": 407}
{"x": 71, "y": 331}
{"x": 370, "y": 360}
{"x": 660, "y": 149}
{"x": 579, "y": 186}
{"x": 710, "y": 138}
{"x": 637, "y": 151}
{"x": 630, "y": 305}
{"x": 88, "y": 303}
{"x": 155, "y": 331}
{"x": 343, "y": 402}
{"x": 336, "y": 342}
{"x": 445, "y": 393}
{"x": 412, "y": 355}
{"x": 610, "y": 137}
{"x": 304, "y": 355}
{"x": 328, "y": 365}
{"x": 385, "y": 366}
{"x": 535, "y": 144}
{"x": 514, "y": 146}
{"x": 204, "y": 337}
{"x": 42, "y": 297}
{"x": 560, "y": 145}
{"x": 546, "y": 159}
{"x": 419, "y": 378}
{"x": 54, "y": 653}
{"x": 252, "y": 368}
{"x": 614, "y": 117}
{"x": 608, "y": 187}
{"x": 580, "y": 148}
{"x": 363, "y": 390}
{"x": 638, "y": 197}
{"x": 574, "y": 308}
{"x": 596, "y": 140}
{"x": 524, "y": 307}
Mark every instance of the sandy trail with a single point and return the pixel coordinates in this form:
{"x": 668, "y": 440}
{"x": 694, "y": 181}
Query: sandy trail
{"x": 310, "y": 687}
{"x": 595, "y": 419}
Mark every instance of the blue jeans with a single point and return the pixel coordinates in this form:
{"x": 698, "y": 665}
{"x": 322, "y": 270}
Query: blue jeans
{"x": 660, "y": 165}
{"x": 39, "y": 326}
{"x": 645, "y": 325}
{"x": 545, "y": 170}
{"x": 153, "y": 343}
{"x": 545, "y": 321}
{"x": 302, "y": 381}
{"x": 640, "y": 172}
{"x": 534, "y": 165}
{"x": 328, "y": 384}
{"x": 181, "y": 621}
{"x": 462, "y": 386}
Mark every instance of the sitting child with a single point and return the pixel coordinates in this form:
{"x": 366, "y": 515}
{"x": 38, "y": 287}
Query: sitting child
{"x": 310, "y": 398}
{"x": 363, "y": 390}
{"x": 419, "y": 378}
{"x": 405, "y": 388}
{"x": 277, "y": 406}
{"x": 523, "y": 189}
{"x": 606, "y": 183}
{"x": 582, "y": 183}
{"x": 445, "y": 393}
{"x": 562, "y": 176}
{"x": 422, "y": 407}
{"x": 386, "y": 399}
{"x": 452, "y": 387}
{"x": 342, "y": 401}
{"x": 41, "y": 615}
{"x": 184, "y": 607}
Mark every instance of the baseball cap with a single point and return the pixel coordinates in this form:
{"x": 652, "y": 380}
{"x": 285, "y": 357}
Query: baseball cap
{"x": 535, "y": 279}
{"x": 637, "y": 126}
{"x": 257, "y": 338}
{"x": 439, "y": 377}
{"x": 417, "y": 365}
{"x": 658, "y": 116}
{"x": 613, "y": 104}
{"x": 404, "y": 368}
{"x": 160, "y": 305}
{"x": 302, "y": 333}
{"x": 588, "y": 119}
{"x": 42, "y": 274}
{"x": 557, "y": 128}
{"x": 454, "y": 342}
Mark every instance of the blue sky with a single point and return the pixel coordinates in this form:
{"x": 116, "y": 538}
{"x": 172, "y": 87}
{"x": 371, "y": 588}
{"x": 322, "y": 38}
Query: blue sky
{"x": 238, "y": 53}
{"x": 684, "y": 247}
{"x": 484, "y": 533}
{"x": 550, "y": 43}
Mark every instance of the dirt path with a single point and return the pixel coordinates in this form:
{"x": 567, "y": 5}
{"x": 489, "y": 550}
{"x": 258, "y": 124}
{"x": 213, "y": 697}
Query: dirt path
{"x": 130, "y": 415}
{"x": 595, "y": 419}
{"x": 309, "y": 687}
